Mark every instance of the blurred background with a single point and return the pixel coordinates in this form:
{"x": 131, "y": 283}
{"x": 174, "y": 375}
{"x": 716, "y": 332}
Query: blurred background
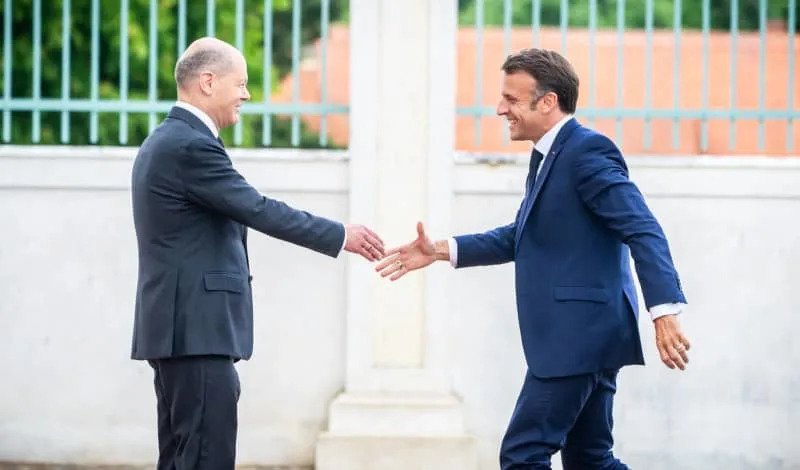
{"x": 382, "y": 112}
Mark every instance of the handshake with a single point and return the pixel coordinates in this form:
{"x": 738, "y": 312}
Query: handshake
{"x": 397, "y": 261}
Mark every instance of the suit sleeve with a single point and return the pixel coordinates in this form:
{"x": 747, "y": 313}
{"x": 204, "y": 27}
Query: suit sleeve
{"x": 604, "y": 186}
{"x": 211, "y": 181}
{"x": 484, "y": 249}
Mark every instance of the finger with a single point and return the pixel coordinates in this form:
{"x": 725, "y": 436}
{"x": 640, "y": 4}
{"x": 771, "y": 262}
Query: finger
{"x": 379, "y": 254}
{"x": 376, "y": 253}
{"x": 387, "y": 261}
{"x": 401, "y": 271}
{"x": 684, "y": 341}
{"x": 365, "y": 250}
{"x": 392, "y": 269}
{"x": 662, "y": 352}
{"x": 366, "y": 253}
{"x": 681, "y": 349}
{"x": 684, "y": 355}
{"x": 394, "y": 250}
{"x": 675, "y": 356}
{"x": 375, "y": 244}
{"x": 374, "y": 236}
{"x": 373, "y": 240}
{"x": 420, "y": 230}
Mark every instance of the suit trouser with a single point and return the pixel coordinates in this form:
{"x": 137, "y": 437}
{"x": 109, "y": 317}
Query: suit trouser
{"x": 568, "y": 414}
{"x": 197, "y": 399}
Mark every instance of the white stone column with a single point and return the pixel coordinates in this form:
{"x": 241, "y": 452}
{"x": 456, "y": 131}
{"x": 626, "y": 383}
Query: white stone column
{"x": 397, "y": 410}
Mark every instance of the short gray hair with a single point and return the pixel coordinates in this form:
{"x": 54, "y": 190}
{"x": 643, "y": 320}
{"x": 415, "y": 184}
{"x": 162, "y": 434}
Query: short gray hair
{"x": 206, "y": 59}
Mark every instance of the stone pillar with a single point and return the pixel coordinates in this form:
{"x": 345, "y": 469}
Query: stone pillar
{"x": 397, "y": 410}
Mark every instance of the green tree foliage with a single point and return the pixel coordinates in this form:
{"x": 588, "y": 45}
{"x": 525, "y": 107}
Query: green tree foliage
{"x": 663, "y": 13}
{"x": 168, "y": 50}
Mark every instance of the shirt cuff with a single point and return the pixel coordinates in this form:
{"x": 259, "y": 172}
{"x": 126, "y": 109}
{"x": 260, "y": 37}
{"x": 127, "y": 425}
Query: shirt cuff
{"x": 344, "y": 242}
{"x": 453, "y": 247}
{"x": 666, "y": 309}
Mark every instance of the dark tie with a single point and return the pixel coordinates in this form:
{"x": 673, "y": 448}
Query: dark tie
{"x": 536, "y": 160}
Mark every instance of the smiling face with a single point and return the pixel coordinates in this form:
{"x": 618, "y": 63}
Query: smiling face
{"x": 540, "y": 88}
{"x": 518, "y": 105}
{"x": 212, "y": 75}
{"x": 227, "y": 91}
{"x": 528, "y": 110}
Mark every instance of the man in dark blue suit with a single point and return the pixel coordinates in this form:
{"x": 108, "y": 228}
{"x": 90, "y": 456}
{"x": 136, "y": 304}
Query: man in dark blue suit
{"x": 580, "y": 220}
{"x": 191, "y": 211}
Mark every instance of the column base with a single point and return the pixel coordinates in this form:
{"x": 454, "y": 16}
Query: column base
{"x": 338, "y": 452}
{"x": 380, "y": 432}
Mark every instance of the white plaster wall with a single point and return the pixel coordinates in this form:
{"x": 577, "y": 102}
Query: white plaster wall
{"x": 67, "y": 279}
{"x": 69, "y": 393}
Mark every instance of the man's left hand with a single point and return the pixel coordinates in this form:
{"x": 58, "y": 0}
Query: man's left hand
{"x": 672, "y": 345}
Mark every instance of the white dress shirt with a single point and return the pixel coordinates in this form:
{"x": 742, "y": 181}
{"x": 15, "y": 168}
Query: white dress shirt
{"x": 206, "y": 119}
{"x": 543, "y": 146}
{"x": 201, "y": 115}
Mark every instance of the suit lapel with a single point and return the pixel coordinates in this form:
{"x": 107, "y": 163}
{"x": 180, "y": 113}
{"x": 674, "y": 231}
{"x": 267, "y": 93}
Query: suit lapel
{"x": 176, "y": 112}
{"x": 547, "y": 164}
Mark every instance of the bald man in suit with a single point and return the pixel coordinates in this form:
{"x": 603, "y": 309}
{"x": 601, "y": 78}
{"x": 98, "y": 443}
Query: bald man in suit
{"x": 191, "y": 209}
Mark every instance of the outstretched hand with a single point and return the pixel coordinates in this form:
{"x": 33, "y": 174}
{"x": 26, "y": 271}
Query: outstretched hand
{"x": 415, "y": 255}
{"x": 363, "y": 241}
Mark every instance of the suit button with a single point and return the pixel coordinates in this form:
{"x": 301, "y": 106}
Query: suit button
{"x": 250, "y": 278}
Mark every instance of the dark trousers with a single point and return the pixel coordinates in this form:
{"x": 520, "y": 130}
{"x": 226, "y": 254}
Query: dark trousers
{"x": 197, "y": 400}
{"x": 570, "y": 414}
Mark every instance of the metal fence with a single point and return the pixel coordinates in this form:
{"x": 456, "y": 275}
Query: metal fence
{"x": 100, "y": 72}
{"x": 515, "y": 18}
{"x": 143, "y": 28}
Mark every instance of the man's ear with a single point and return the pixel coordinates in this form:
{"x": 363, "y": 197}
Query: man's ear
{"x": 550, "y": 101}
{"x": 206, "y": 82}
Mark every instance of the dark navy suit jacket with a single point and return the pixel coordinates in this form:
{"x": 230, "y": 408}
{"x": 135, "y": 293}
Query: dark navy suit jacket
{"x": 571, "y": 241}
{"x": 191, "y": 210}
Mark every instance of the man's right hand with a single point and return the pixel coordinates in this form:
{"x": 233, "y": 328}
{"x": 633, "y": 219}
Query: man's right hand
{"x": 363, "y": 241}
{"x": 415, "y": 255}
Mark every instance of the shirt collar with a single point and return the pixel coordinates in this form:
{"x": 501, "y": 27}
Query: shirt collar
{"x": 200, "y": 114}
{"x": 544, "y": 144}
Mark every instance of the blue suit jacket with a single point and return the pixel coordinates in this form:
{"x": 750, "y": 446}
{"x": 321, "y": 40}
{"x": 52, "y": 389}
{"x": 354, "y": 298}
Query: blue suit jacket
{"x": 570, "y": 241}
{"x": 191, "y": 210}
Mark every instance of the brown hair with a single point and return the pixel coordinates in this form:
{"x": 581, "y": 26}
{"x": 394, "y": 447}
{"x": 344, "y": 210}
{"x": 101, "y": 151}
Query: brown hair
{"x": 552, "y": 72}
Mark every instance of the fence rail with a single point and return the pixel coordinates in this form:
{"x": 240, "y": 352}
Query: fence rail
{"x": 155, "y": 32}
{"x": 487, "y": 16}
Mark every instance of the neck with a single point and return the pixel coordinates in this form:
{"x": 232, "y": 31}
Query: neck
{"x": 188, "y": 99}
{"x": 551, "y": 122}
{"x": 555, "y": 118}
{"x": 199, "y": 104}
